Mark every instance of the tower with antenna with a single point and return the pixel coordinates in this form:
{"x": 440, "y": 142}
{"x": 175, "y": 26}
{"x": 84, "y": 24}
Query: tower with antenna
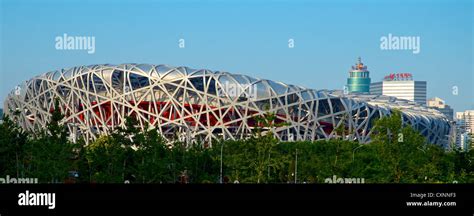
{"x": 359, "y": 80}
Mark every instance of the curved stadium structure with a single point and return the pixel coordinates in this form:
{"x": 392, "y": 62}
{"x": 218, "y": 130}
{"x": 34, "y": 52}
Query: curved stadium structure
{"x": 202, "y": 105}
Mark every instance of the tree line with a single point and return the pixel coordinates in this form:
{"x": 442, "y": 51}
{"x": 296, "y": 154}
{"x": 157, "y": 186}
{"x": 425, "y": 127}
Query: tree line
{"x": 396, "y": 154}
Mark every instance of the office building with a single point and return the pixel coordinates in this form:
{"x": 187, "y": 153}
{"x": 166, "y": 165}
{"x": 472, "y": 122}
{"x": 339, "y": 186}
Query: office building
{"x": 466, "y": 120}
{"x": 402, "y": 86}
{"x": 439, "y": 104}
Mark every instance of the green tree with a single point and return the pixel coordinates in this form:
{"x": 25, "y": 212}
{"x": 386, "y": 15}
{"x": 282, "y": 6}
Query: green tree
{"x": 12, "y": 143}
{"x": 49, "y": 155}
{"x": 105, "y": 160}
{"x": 152, "y": 158}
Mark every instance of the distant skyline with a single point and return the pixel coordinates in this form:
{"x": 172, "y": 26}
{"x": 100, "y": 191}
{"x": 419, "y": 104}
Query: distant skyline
{"x": 249, "y": 37}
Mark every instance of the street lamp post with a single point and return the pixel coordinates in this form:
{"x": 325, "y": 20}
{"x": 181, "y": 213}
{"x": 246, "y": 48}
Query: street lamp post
{"x": 296, "y": 165}
{"x": 353, "y": 152}
{"x": 222, "y": 148}
{"x": 268, "y": 166}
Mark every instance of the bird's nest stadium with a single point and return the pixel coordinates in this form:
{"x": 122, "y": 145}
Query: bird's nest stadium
{"x": 203, "y": 105}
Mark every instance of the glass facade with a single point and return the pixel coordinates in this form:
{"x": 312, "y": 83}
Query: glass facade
{"x": 359, "y": 80}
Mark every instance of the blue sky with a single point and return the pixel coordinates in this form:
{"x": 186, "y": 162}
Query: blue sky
{"x": 248, "y": 37}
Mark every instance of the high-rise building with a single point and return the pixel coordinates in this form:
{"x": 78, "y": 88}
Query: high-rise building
{"x": 401, "y": 85}
{"x": 463, "y": 141}
{"x": 465, "y": 129}
{"x": 439, "y": 104}
{"x": 466, "y": 119}
{"x": 359, "y": 80}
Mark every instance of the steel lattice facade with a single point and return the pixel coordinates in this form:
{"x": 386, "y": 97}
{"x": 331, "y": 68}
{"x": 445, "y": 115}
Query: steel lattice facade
{"x": 203, "y": 105}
